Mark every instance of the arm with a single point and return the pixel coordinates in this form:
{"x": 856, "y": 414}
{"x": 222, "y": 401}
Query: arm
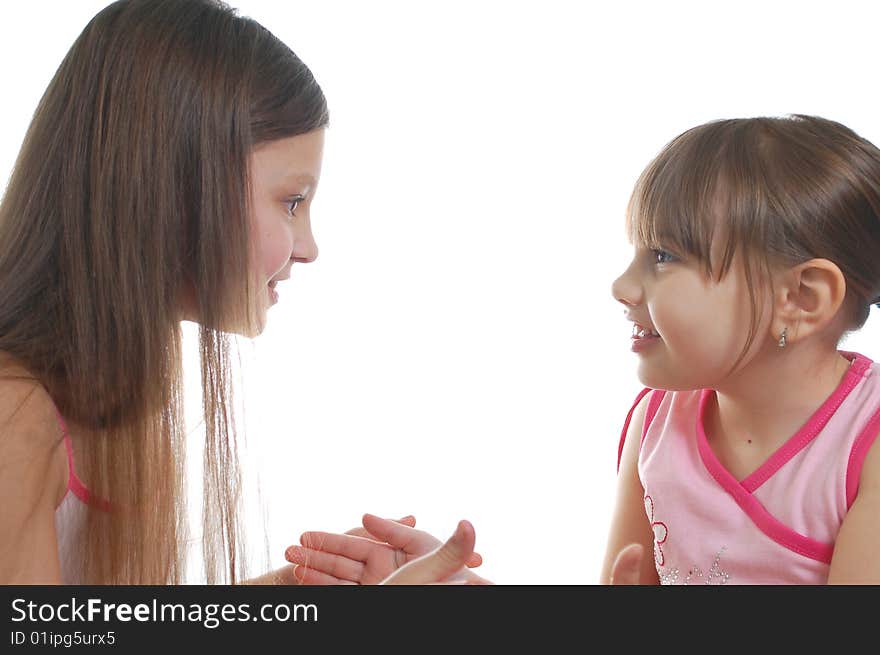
{"x": 629, "y": 525}
{"x": 854, "y": 560}
{"x": 33, "y": 480}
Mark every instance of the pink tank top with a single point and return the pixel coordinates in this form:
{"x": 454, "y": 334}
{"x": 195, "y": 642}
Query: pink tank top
{"x": 779, "y": 524}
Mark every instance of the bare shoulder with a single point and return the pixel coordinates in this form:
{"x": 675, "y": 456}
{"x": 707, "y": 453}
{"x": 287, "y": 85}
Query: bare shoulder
{"x": 869, "y": 480}
{"x": 628, "y": 521}
{"x": 24, "y": 402}
{"x": 634, "y": 432}
{"x": 33, "y": 478}
{"x": 854, "y": 560}
{"x": 30, "y": 435}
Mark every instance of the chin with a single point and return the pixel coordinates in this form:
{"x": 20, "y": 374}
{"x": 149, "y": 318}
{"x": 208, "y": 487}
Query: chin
{"x": 249, "y": 331}
{"x": 253, "y": 331}
{"x": 655, "y": 379}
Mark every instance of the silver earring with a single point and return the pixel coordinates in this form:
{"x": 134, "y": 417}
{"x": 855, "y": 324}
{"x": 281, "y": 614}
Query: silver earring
{"x": 782, "y": 337}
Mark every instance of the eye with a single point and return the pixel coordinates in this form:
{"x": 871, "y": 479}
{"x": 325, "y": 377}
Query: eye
{"x": 292, "y": 204}
{"x": 661, "y": 256}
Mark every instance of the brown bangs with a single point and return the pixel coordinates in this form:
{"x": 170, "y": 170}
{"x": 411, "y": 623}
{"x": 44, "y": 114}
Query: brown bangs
{"x": 706, "y": 179}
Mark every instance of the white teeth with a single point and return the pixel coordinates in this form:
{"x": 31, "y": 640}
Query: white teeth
{"x": 641, "y": 332}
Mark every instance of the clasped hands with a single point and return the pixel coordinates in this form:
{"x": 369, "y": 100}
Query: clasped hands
{"x": 385, "y": 551}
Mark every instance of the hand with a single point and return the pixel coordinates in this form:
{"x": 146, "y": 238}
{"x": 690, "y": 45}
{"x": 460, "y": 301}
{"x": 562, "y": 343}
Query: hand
{"x": 626, "y": 567}
{"x": 327, "y": 558}
{"x": 361, "y": 531}
{"x": 364, "y": 555}
{"x": 444, "y": 565}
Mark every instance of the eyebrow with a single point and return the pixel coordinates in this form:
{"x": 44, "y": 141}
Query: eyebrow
{"x": 303, "y": 178}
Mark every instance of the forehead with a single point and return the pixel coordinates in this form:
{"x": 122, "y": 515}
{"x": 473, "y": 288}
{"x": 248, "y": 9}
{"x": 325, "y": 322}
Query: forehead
{"x": 293, "y": 160}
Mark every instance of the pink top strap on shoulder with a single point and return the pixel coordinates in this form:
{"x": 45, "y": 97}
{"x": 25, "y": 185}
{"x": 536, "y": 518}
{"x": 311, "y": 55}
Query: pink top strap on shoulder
{"x": 74, "y": 484}
{"x": 857, "y": 456}
{"x": 653, "y": 404}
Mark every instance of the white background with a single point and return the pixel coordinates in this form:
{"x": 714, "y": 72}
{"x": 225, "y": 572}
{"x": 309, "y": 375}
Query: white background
{"x": 455, "y": 351}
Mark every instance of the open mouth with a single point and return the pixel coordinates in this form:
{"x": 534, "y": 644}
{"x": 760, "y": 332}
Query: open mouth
{"x": 641, "y": 333}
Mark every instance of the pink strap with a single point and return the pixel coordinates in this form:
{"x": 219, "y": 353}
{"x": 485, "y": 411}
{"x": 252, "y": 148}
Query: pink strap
{"x": 653, "y": 405}
{"x": 74, "y": 484}
{"x": 811, "y": 429}
{"x": 857, "y": 457}
{"x": 766, "y": 522}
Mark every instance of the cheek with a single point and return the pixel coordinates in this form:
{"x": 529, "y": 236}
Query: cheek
{"x": 274, "y": 242}
{"x": 708, "y": 325}
{"x": 275, "y": 247}
{"x": 683, "y": 321}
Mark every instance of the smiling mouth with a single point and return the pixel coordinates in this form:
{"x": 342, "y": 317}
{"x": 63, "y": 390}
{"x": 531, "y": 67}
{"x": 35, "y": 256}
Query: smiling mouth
{"x": 639, "y": 333}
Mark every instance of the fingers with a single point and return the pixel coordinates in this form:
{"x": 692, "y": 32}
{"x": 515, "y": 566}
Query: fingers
{"x": 441, "y": 563}
{"x": 406, "y": 538}
{"x": 474, "y": 560}
{"x": 625, "y": 570}
{"x": 394, "y": 533}
{"x": 331, "y": 564}
{"x": 409, "y": 540}
{"x": 359, "y": 531}
{"x": 346, "y": 545}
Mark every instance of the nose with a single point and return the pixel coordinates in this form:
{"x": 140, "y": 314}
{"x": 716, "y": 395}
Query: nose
{"x": 305, "y": 249}
{"x": 627, "y": 289}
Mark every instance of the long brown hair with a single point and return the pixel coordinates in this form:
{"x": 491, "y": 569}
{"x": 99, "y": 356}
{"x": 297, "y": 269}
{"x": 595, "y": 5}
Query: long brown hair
{"x": 778, "y": 191}
{"x": 131, "y": 189}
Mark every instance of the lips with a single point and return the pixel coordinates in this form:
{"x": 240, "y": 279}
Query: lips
{"x": 273, "y": 294}
{"x": 641, "y": 332}
{"x": 283, "y": 275}
{"x": 643, "y": 338}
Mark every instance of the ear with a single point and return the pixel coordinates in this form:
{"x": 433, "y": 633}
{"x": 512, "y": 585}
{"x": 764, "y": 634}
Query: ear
{"x": 807, "y": 298}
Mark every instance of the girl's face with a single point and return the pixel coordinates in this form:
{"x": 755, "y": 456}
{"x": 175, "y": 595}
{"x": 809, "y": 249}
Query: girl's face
{"x": 284, "y": 178}
{"x": 701, "y": 324}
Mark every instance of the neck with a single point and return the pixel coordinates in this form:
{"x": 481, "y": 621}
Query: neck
{"x": 777, "y": 392}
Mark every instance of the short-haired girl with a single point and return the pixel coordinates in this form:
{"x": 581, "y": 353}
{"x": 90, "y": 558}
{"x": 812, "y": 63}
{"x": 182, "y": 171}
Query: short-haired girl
{"x": 751, "y": 456}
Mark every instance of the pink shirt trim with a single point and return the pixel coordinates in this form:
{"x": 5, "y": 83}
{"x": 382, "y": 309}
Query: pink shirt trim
{"x": 74, "y": 484}
{"x": 810, "y": 429}
{"x": 777, "y": 531}
{"x": 651, "y": 411}
{"x": 857, "y": 457}
{"x": 626, "y": 425}
{"x": 653, "y": 405}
